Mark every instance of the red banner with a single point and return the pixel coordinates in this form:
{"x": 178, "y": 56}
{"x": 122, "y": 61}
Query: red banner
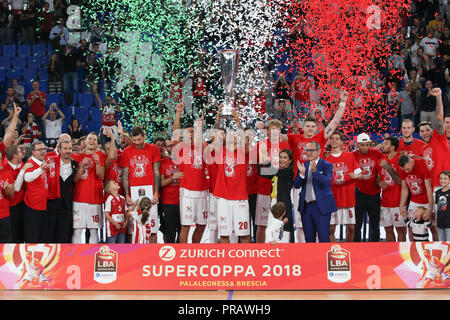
{"x": 225, "y": 267}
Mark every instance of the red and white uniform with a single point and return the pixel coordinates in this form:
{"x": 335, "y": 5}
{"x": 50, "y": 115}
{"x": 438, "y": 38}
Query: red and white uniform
{"x": 88, "y": 193}
{"x": 390, "y": 197}
{"x": 36, "y": 186}
{"x": 109, "y": 120}
{"x": 436, "y": 155}
{"x": 343, "y": 186}
{"x": 298, "y": 142}
{"x": 368, "y": 164}
{"x": 212, "y": 200}
{"x": 141, "y": 231}
{"x": 14, "y": 172}
{"x": 231, "y": 191}
{"x": 5, "y": 175}
{"x": 264, "y": 190}
{"x": 416, "y": 185}
{"x": 116, "y": 208}
{"x": 194, "y": 186}
{"x": 199, "y": 87}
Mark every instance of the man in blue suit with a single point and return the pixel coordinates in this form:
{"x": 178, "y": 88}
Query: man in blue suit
{"x": 316, "y": 199}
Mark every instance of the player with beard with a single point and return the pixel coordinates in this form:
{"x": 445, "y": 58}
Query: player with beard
{"x": 346, "y": 171}
{"x": 140, "y": 163}
{"x": 389, "y": 181}
{"x": 88, "y": 190}
{"x": 436, "y": 153}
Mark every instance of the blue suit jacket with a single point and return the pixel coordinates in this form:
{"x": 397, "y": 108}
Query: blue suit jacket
{"x": 321, "y": 185}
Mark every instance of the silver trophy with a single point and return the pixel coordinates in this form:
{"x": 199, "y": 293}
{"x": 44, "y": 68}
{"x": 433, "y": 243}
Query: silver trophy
{"x": 229, "y": 60}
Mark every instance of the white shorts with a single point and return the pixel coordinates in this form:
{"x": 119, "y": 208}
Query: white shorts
{"x": 212, "y": 212}
{"x": 413, "y": 206}
{"x": 87, "y": 215}
{"x": 343, "y": 216}
{"x": 263, "y": 203}
{"x": 233, "y": 215}
{"x": 193, "y": 207}
{"x": 295, "y": 196}
{"x": 30, "y": 277}
{"x": 391, "y": 217}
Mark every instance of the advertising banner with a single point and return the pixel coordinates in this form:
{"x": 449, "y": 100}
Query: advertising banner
{"x": 318, "y": 266}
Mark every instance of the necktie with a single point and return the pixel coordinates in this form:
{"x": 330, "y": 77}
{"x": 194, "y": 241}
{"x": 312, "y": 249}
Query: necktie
{"x": 309, "y": 187}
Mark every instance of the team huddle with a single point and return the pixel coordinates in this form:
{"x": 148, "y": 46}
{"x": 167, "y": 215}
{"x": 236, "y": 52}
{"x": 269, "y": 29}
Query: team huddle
{"x": 242, "y": 185}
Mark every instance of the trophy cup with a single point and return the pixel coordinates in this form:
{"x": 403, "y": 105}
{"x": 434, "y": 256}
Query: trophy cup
{"x": 229, "y": 60}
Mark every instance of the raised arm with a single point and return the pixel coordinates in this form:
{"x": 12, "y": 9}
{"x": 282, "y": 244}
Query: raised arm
{"x": 439, "y": 110}
{"x": 338, "y": 116}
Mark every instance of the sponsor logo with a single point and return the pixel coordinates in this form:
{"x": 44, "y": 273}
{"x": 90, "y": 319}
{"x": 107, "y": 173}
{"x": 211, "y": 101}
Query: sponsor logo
{"x": 167, "y": 253}
{"x": 105, "y": 268}
{"x": 338, "y": 264}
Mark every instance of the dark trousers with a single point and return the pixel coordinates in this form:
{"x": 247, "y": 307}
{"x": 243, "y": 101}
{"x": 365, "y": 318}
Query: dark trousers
{"x": 5, "y": 230}
{"x": 60, "y": 225}
{"x": 371, "y": 205}
{"x": 252, "y": 211}
{"x": 314, "y": 222}
{"x": 34, "y": 225}
{"x": 170, "y": 222}
{"x": 17, "y": 223}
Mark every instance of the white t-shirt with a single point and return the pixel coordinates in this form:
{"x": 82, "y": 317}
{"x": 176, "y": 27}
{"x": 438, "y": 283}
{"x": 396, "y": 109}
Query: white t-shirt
{"x": 274, "y": 229}
{"x": 53, "y": 128}
{"x": 429, "y": 45}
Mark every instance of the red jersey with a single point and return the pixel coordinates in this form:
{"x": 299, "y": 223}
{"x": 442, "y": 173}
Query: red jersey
{"x": 116, "y": 208}
{"x": 4, "y": 201}
{"x": 264, "y": 184}
{"x": 413, "y": 148}
{"x": 141, "y": 232}
{"x": 342, "y": 185}
{"x": 114, "y": 172}
{"x": 368, "y": 164}
{"x": 231, "y": 183}
{"x": 437, "y": 156}
{"x": 390, "y": 197}
{"x": 18, "y": 195}
{"x": 89, "y": 189}
{"x": 37, "y": 108}
{"x": 36, "y": 191}
{"x": 170, "y": 194}
{"x": 416, "y": 181}
{"x": 140, "y": 164}
{"x": 298, "y": 143}
{"x": 191, "y": 162}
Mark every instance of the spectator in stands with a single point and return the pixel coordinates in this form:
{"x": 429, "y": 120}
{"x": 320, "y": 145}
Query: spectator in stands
{"x": 406, "y": 103}
{"x": 430, "y": 43}
{"x": 31, "y": 129}
{"x": 69, "y": 61}
{"x": 437, "y": 23}
{"x": 29, "y": 23}
{"x": 36, "y": 100}
{"x": 19, "y": 91}
{"x": 9, "y": 102}
{"x": 6, "y": 27}
{"x": 75, "y": 130}
{"x": 60, "y": 8}
{"x": 93, "y": 70}
{"x": 112, "y": 69}
{"x": 282, "y": 89}
{"x": 7, "y": 120}
{"x": 59, "y": 35}
{"x": 55, "y": 84}
{"x": 427, "y": 105}
{"x": 53, "y": 125}
{"x": 46, "y": 22}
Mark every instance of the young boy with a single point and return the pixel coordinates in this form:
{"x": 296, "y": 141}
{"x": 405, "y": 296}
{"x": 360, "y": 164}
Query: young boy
{"x": 115, "y": 213}
{"x": 419, "y": 225}
{"x": 275, "y": 224}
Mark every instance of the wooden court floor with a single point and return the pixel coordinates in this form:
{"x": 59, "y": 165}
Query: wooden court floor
{"x": 425, "y": 294}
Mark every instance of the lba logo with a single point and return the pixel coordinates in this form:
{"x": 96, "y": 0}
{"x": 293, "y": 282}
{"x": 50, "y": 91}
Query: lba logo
{"x": 167, "y": 253}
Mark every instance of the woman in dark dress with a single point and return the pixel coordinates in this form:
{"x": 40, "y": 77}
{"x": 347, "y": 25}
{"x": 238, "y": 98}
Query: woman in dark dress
{"x": 284, "y": 181}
